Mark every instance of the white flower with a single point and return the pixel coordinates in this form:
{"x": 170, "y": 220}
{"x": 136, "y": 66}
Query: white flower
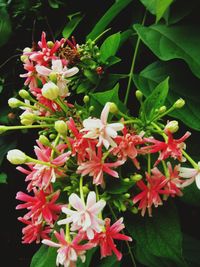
{"x": 99, "y": 128}
{"x": 191, "y": 173}
{"x": 16, "y": 156}
{"x": 84, "y": 217}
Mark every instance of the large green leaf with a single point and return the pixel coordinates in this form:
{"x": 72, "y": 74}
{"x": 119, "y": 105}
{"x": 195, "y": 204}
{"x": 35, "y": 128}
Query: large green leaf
{"x": 45, "y": 256}
{"x": 182, "y": 84}
{"x": 169, "y": 42}
{"x": 191, "y": 250}
{"x": 74, "y": 20}
{"x": 156, "y": 99}
{"x": 5, "y": 26}
{"x": 160, "y": 234}
{"x": 110, "y": 46}
{"x": 105, "y": 20}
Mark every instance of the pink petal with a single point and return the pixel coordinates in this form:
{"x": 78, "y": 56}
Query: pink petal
{"x": 76, "y": 202}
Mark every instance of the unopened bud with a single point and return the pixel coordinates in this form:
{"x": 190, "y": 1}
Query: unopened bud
{"x": 172, "y": 127}
{"x": 53, "y": 77}
{"x": 52, "y": 136}
{"x": 16, "y": 156}
{"x": 85, "y": 190}
{"x": 134, "y": 210}
{"x": 113, "y": 108}
{"x": 179, "y": 103}
{"x": 23, "y": 58}
{"x": 139, "y": 95}
{"x": 50, "y": 44}
{"x": 136, "y": 177}
{"x": 27, "y": 118}
{"x": 24, "y": 94}
{"x": 44, "y": 140}
{"x": 50, "y": 90}
{"x": 91, "y": 108}
{"x": 27, "y": 50}
{"x": 127, "y": 195}
{"x": 127, "y": 180}
{"x": 162, "y": 109}
{"x": 14, "y": 102}
{"x": 61, "y": 127}
{"x": 86, "y": 99}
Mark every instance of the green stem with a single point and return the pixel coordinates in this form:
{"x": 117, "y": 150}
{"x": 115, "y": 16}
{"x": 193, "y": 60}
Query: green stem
{"x": 39, "y": 118}
{"x": 53, "y": 147}
{"x": 81, "y": 189}
{"x": 160, "y": 130}
{"x": 29, "y": 127}
{"x": 67, "y": 230}
{"x": 100, "y": 35}
{"x": 164, "y": 113}
{"x": 128, "y": 246}
{"x": 149, "y": 163}
{"x": 192, "y": 162}
{"x": 133, "y": 65}
{"x": 29, "y": 159}
{"x": 61, "y": 104}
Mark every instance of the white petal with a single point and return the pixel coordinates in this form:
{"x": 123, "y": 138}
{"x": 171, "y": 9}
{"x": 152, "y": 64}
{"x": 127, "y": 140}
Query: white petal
{"x": 97, "y": 207}
{"x": 76, "y": 202}
{"x": 64, "y": 221}
{"x": 116, "y": 126}
{"x": 57, "y": 65}
{"x": 111, "y": 132}
{"x": 43, "y": 70}
{"x": 92, "y": 123}
{"x": 91, "y": 199}
{"x": 90, "y": 234}
{"x": 71, "y": 72}
{"x": 187, "y": 172}
{"x": 197, "y": 179}
{"x": 50, "y": 243}
{"x": 104, "y": 113}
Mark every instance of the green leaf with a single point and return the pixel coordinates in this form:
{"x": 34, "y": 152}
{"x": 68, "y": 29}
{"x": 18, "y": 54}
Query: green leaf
{"x": 160, "y": 234}
{"x": 45, "y": 256}
{"x": 3, "y": 178}
{"x": 98, "y": 100}
{"x": 74, "y": 20}
{"x": 5, "y": 26}
{"x": 89, "y": 255}
{"x": 173, "y": 42}
{"x": 191, "y": 250}
{"x": 110, "y": 261}
{"x": 110, "y": 46}
{"x": 156, "y": 99}
{"x": 110, "y": 14}
{"x": 119, "y": 186}
{"x": 53, "y": 3}
{"x": 150, "y": 5}
{"x": 182, "y": 84}
{"x": 161, "y": 8}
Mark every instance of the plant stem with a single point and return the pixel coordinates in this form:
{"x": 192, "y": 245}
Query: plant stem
{"x": 149, "y": 163}
{"x": 133, "y": 64}
{"x": 81, "y": 189}
{"x": 29, "y": 127}
{"x": 192, "y": 162}
{"x": 129, "y": 249}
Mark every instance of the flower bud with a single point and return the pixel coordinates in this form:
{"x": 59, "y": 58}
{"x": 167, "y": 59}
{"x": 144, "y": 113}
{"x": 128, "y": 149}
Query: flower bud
{"x": 27, "y": 50}
{"x": 139, "y": 95}
{"x": 162, "y": 109}
{"x": 24, "y": 94}
{"x": 14, "y": 102}
{"x": 50, "y": 90}
{"x": 127, "y": 195}
{"x": 91, "y": 108}
{"x": 50, "y": 44}
{"x": 27, "y": 118}
{"x": 172, "y": 127}
{"x": 61, "y": 127}
{"x": 44, "y": 140}
{"x": 52, "y": 136}
{"x": 113, "y": 108}
{"x": 134, "y": 210}
{"x": 16, "y": 156}
{"x": 136, "y": 177}
{"x": 53, "y": 77}
{"x": 86, "y": 99}
{"x": 179, "y": 103}
{"x": 127, "y": 180}
{"x": 23, "y": 58}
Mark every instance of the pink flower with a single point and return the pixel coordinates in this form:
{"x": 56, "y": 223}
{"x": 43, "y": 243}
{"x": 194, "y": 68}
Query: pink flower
{"x": 96, "y": 167}
{"x": 106, "y": 238}
{"x": 171, "y": 148}
{"x": 42, "y": 57}
{"x": 41, "y": 206}
{"x": 99, "y": 128}
{"x": 150, "y": 194}
{"x": 34, "y": 231}
{"x": 31, "y": 77}
{"x": 41, "y": 176}
{"x": 68, "y": 252}
{"x": 193, "y": 174}
{"x": 85, "y": 216}
{"x": 126, "y": 146}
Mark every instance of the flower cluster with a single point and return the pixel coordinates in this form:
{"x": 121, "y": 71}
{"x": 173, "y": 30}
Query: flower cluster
{"x": 81, "y": 157}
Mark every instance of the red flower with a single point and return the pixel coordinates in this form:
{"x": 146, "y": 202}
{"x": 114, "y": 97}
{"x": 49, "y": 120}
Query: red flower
{"x": 171, "y": 148}
{"x": 106, "y": 239}
{"x": 151, "y": 191}
{"x": 41, "y": 206}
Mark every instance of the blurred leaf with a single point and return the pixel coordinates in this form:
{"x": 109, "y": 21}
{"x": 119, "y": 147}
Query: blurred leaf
{"x": 182, "y": 84}
{"x": 191, "y": 195}
{"x": 119, "y": 186}
{"x": 3, "y": 178}
{"x": 110, "y": 14}
{"x": 45, "y": 256}
{"x": 110, "y": 261}
{"x": 173, "y": 42}
{"x": 156, "y": 99}
{"x": 191, "y": 250}
{"x": 160, "y": 234}
{"x": 74, "y": 20}
{"x": 89, "y": 255}
{"x": 5, "y": 26}
{"x": 54, "y": 3}
{"x": 110, "y": 46}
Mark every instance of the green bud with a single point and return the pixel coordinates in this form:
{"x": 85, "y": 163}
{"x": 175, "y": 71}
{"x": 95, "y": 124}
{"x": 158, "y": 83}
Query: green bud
{"x": 53, "y": 77}
{"x": 127, "y": 195}
{"x": 162, "y": 109}
{"x": 61, "y": 127}
{"x": 27, "y": 118}
{"x": 24, "y": 94}
{"x": 136, "y": 177}
{"x": 172, "y": 126}
{"x": 86, "y": 99}
{"x": 14, "y": 102}
{"x": 127, "y": 180}
{"x": 52, "y": 136}
{"x": 139, "y": 95}
{"x": 50, "y": 44}
{"x": 113, "y": 108}
{"x": 85, "y": 190}
{"x": 179, "y": 103}
{"x": 44, "y": 140}
{"x": 27, "y": 50}
{"x": 91, "y": 108}
{"x": 16, "y": 156}
{"x": 23, "y": 58}
{"x": 134, "y": 210}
